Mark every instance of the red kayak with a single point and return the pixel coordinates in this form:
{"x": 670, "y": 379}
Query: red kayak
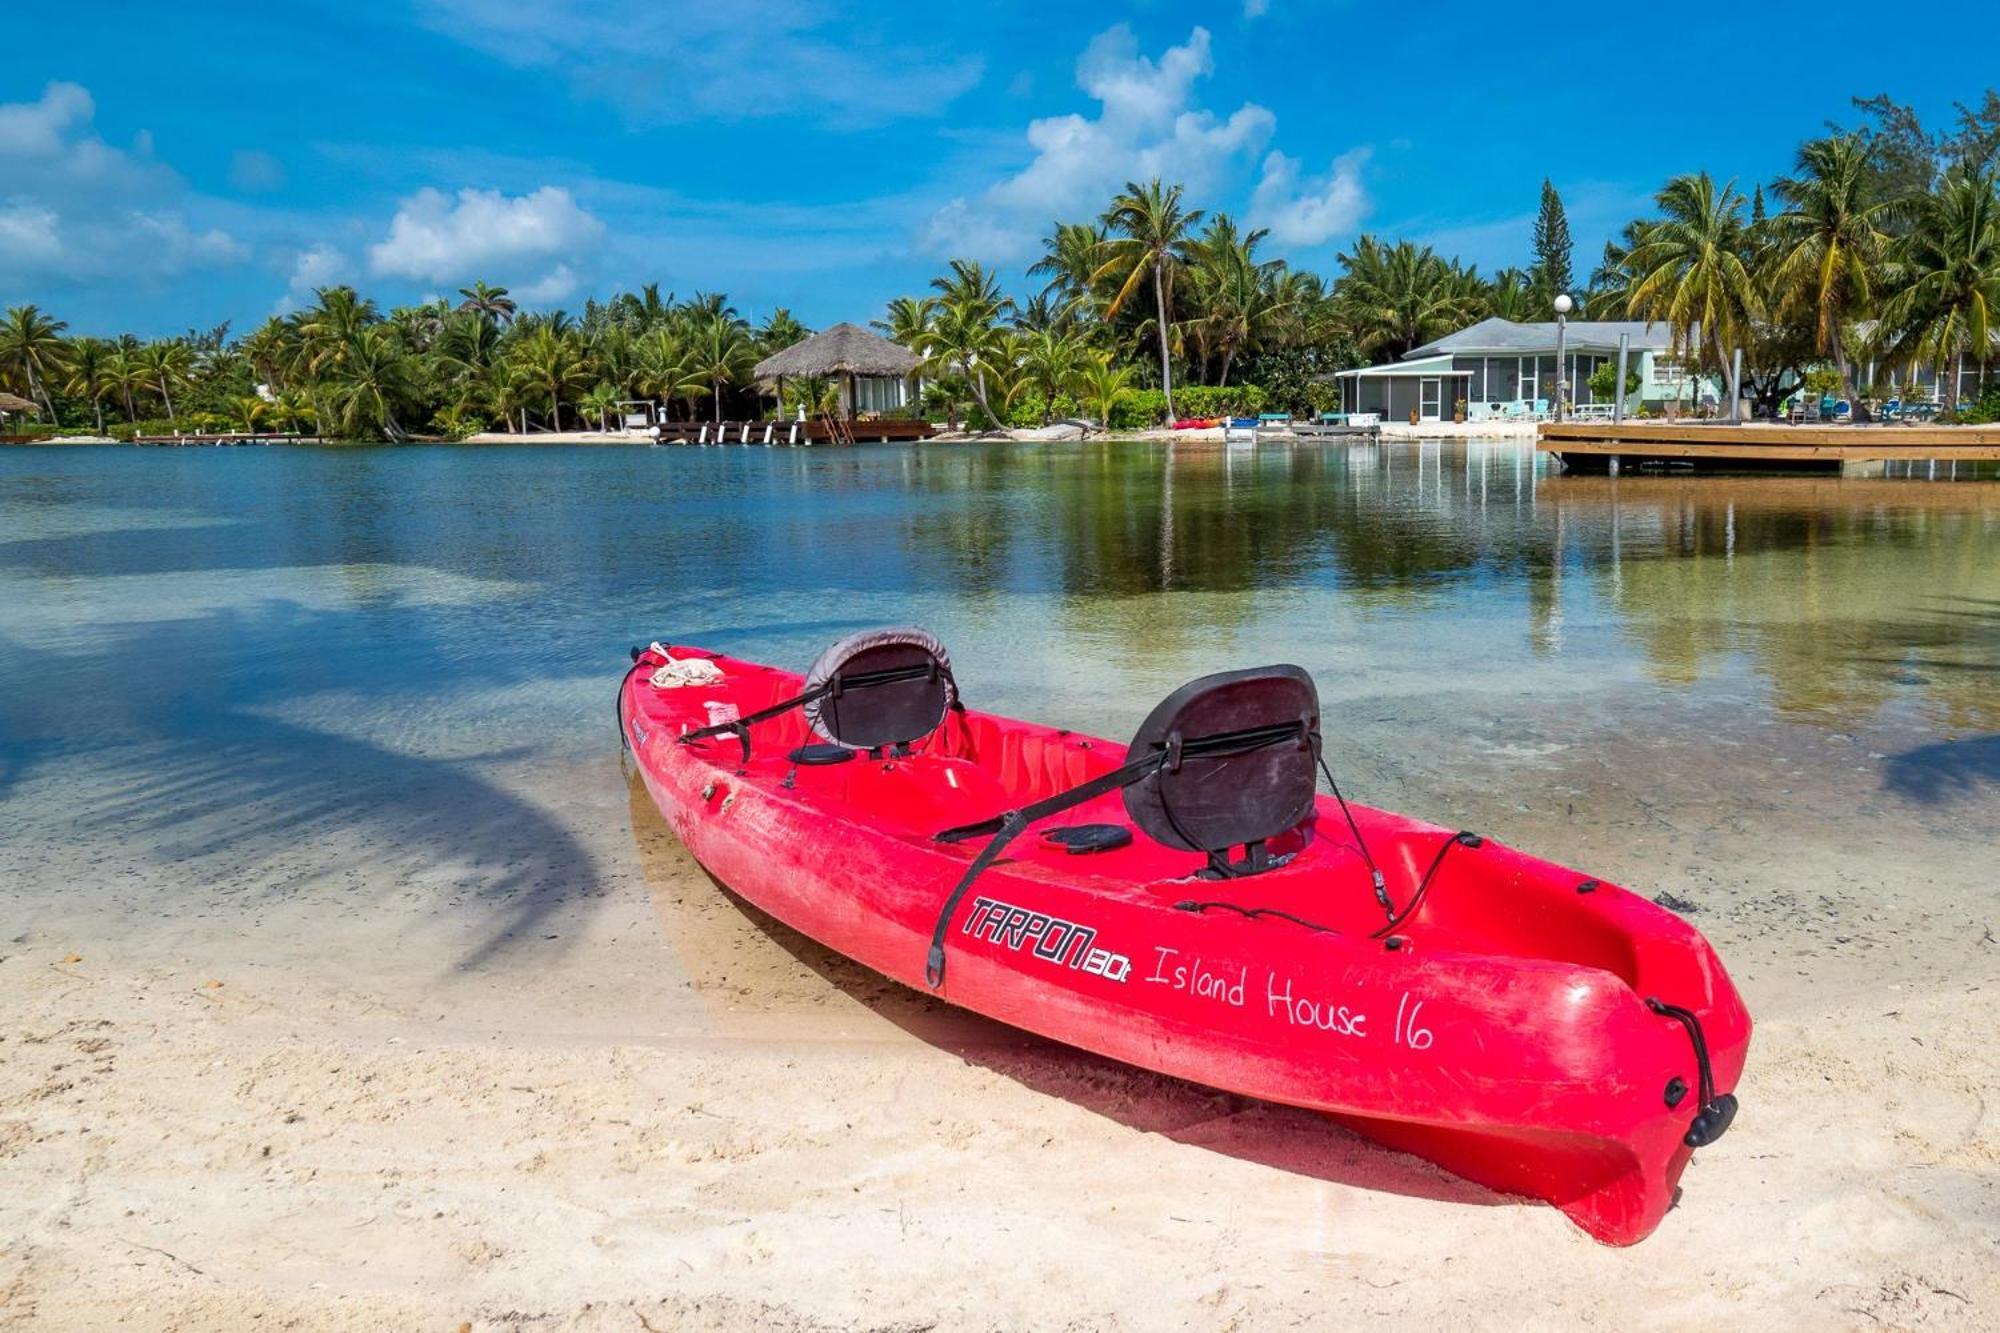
{"x": 1192, "y": 904}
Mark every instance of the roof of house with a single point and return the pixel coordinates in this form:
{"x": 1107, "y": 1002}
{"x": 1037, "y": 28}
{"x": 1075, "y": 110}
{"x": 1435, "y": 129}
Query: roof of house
{"x": 844, "y": 349}
{"x": 10, "y": 402}
{"x": 1430, "y": 367}
{"x": 1508, "y": 336}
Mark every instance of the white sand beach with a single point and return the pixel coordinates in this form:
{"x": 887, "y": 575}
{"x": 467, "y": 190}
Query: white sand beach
{"x": 351, "y": 1107}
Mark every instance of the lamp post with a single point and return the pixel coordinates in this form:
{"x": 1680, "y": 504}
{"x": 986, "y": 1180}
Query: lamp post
{"x": 1563, "y": 306}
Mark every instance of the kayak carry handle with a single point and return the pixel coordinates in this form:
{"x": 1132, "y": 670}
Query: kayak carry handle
{"x": 1711, "y": 1122}
{"x": 1718, "y": 1110}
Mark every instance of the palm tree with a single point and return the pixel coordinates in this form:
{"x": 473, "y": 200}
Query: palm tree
{"x": 1395, "y": 298}
{"x": 168, "y": 365}
{"x": 553, "y": 361}
{"x": 720, "y": 353}
{"x": 1039, "y": 314}
{"x": 663, "y": 367}
{"x": 1691, "y": 269}
{"x": 1050, "y": 359}
{"x": 271, "y": 350}
{"x": 464, "y": 356}
{"x": 1946, "y": 275}
{"x": 1151, "y": 230}
{"x": 1237, "y": 299}
{"x": 31, "y": 346}
{"x": 372, "y": 382}
{"x": 327, "y": 334}
{"x": 87, "y": 363}
{"x": 1612, "y": 281}
{"x": 125, "y": 373}
{"x": 1511, "y": 295}
{"x": 1826, "y": 243}
{"x": 780, "y": 331}
{"x": 1099, "y": 383}
{"x": 251, "y": 410}
{"x": 966, "y": 336}
{"x": 1071, "y": 256}
{"x": 598, "y": 402}
{"x": 908, "y": 322}
{"x": 488, "y": 302}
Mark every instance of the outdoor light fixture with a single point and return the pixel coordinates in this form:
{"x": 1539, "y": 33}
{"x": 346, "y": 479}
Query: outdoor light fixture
{"x": 1563, "y": 306}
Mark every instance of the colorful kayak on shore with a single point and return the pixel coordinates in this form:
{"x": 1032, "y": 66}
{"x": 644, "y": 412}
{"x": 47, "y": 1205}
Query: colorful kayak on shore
{"x": 1192, "y": 904}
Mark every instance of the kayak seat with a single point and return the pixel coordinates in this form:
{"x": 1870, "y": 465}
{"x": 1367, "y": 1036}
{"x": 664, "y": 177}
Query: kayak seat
{"x": 1239, "y": 753}
{"x": 878, "y": 690}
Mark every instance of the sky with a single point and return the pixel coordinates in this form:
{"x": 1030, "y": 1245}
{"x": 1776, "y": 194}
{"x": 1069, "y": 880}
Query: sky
{"x": 166, "y": 167}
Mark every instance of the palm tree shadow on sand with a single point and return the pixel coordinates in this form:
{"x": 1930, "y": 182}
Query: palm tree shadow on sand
{"x": 721, "y": 937}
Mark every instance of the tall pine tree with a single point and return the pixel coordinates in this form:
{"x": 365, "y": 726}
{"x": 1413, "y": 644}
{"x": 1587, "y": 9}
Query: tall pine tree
{"x": 1552, "y": 244}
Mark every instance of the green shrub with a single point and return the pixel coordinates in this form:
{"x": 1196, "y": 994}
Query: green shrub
{"x": 1138, "y": 409}
{"x": 1032, "y": 410}
{"x": 1148, "y": 407}
{"x": 1982, "y": 410}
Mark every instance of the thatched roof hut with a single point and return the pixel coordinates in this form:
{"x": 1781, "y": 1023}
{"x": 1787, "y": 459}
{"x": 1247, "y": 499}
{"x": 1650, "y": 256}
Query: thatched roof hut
{"x": 875, "y": 372}
{"x": 844, "y": 349}
{"x": 13, "y": 402}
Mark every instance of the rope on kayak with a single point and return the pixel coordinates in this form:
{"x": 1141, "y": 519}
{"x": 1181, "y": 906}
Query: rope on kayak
{"x": 1462, "y": 838}
{"x": 1190, "y": 905}
{"x": 1360, "y": 843}
{"x": 740, "y": 726}
{"x": 618, "y": 703}
{"x": 1716, "y": 1112}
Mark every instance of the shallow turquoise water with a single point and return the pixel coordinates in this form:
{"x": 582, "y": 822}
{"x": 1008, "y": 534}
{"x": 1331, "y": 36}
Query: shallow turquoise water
{"x": 264, "y": 647}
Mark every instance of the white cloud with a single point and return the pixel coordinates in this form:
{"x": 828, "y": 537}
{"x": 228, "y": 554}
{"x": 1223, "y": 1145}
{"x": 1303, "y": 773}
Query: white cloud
{"x": 254, "y": 171}
{"x": 1256, "y": 9}
{"x": 320, "y": 266}
{"x": 81, "y": 209}
{"x": 554, "y": 285}
{"x": 749, "y": 58}
{"x": 1310, "y": 212}
{"x": 1146, "y": 126}
{"x": 530, "y": 240}
{"x": 28, "y": 236}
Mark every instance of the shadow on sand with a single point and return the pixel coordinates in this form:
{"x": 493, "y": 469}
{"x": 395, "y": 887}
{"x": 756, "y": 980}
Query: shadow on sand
{"x": 722, "y": 938}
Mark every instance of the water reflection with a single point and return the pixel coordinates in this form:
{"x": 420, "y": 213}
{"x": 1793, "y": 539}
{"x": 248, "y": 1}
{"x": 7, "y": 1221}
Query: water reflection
{"x": 1842, "y": 594}
{"x": 1077, "y": 578}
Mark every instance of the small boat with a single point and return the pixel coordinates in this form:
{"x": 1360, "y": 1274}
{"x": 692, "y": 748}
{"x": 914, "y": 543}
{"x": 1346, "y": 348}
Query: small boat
{"x": 1191, "y": 903}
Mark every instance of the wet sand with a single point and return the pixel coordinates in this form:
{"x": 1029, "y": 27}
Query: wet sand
{"x": 653, "y": 1107}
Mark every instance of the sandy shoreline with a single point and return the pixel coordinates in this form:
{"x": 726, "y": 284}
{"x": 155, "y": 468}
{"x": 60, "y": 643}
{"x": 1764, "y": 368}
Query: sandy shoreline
{"x": 650, "y": 1107}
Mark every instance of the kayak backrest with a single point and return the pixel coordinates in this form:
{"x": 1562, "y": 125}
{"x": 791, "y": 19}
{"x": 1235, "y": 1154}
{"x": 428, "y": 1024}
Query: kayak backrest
{"x": 1243, "y": 747}
{"x": 885, "y": 687}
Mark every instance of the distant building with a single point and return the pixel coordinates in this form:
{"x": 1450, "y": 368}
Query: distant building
{"x": 874, "y": 374}
{"x": 1500, "y": 368}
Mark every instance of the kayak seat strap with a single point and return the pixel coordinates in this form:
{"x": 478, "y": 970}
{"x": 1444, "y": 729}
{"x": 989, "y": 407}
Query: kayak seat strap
{"x": 1159, "y": 760}
{"x": 877, "y": 690}
{"x": 1005, "y": 827}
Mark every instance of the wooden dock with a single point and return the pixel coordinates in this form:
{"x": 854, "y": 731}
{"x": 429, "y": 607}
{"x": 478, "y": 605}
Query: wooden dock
{"x": 232, "y": 438}
{"x": 1604, "y": 446}
{"x": 1326, "y": 430}
{"x": 818, "y": 430}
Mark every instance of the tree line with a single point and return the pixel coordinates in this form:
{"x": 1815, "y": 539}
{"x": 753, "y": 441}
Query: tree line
{"x": 1880, "y": 247}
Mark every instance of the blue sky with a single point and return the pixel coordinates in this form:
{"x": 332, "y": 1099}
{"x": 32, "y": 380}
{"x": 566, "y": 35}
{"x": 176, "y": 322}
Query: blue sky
{"x": 162, "y": 166}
